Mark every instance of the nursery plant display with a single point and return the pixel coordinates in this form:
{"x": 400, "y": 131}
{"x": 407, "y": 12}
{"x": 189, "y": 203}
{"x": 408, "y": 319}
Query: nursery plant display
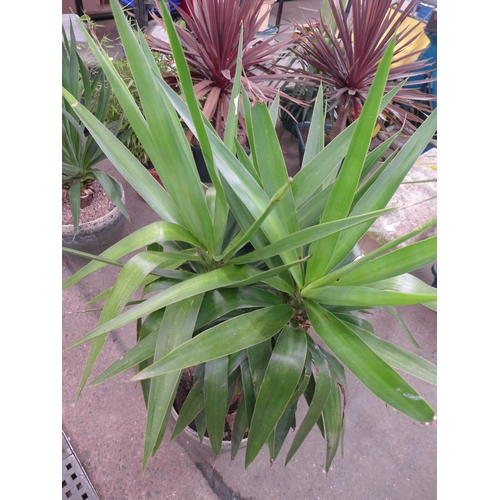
{"x": 233, "y": 277}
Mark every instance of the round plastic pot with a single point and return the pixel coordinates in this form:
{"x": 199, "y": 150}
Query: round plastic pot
{"x": 190, "y": 441}
{"x": 96, "y": 236}
{"x": 201, "y": 165}
{"x": 296, "y": 133}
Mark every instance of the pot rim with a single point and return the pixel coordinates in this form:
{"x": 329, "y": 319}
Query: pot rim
{"x": 226, "y": 445}
{"x": 68, "y": 228}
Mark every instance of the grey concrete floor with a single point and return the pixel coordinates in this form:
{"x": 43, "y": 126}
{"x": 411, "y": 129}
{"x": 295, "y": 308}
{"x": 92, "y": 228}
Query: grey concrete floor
{"x": 386, "y": 455}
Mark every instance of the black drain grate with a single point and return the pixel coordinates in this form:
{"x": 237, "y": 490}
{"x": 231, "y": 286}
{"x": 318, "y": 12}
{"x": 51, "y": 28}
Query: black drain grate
{"x": 75, "y": 483}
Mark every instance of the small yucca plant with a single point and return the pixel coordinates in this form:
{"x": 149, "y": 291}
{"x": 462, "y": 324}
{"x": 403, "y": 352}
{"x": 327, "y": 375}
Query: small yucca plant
{"x": 233, "y": 278}
{"x": 80, "y": 152}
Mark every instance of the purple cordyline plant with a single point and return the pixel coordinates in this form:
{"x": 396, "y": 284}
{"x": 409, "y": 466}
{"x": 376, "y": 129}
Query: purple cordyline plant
{"x": 346, "y": 54}
{"x": 210, "y": 44}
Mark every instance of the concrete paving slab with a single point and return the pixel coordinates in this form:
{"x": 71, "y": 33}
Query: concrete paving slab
{"x": 418, "y": 195}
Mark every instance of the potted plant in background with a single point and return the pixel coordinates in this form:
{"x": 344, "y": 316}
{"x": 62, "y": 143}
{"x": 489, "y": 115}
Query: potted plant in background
{"x": 86, "y": 187}
{"x": 243, "y": 316}
{"x": 210, "y": 43}
{"x": 345, "y": 49}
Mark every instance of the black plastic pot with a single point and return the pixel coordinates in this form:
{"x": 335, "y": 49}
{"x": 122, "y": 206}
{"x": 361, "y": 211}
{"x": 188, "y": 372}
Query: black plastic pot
{"x": 434, "y": 270}
{"x": 296, "y": 133}
{"x": 289, "y": 121}
{"x": 296, "y": 113}
{"x": 201, "y": 165}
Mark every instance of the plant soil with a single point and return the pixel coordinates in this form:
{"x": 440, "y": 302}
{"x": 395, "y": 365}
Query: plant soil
{"x": 98, "y": 207}
{"x": 185, "y": 385}
{"x": 243, "y": 139}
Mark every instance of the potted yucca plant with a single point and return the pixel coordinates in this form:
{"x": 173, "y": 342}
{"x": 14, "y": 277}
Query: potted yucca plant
{"x": 344, "y": 49}
{"x": 210, "y": 40}
{"x": 84, "y": 186}
{"x": 233, "y": 279}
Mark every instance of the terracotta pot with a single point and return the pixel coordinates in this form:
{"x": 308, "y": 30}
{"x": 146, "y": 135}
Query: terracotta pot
{"x": 154, "y": 173}
{"x": 97, "y": 235}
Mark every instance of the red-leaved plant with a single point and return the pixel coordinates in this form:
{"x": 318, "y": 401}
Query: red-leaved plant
{"x": 210, "y": 44}
{"x": 346, "y": 54}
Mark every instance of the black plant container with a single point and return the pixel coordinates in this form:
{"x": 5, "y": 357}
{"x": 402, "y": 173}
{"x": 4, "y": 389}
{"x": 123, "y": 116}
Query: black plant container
{"x": 434, "y": 270}
{"x": 296, "y": 133}
{"x": 295, "y": 115}
{"x": 201, "y": 165}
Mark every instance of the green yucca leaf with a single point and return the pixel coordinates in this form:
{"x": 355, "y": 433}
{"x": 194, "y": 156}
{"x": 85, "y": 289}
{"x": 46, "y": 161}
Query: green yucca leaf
{"x": 196, "y": 115}
{"x": 216, "y": 391}
{"x": 176, "y": 328}
{"x": 384, "y": 187}
{"x": 366, "y": 296}
{"x": 281, "y": 377}
{"x": 177, "y": 169}
{"x": 129, "y": 279}
{"x": 368, "y": 367}
{"x": 304, "y": 237}
{"x": 221, "y": 340}
{"x": 152, "y": 233}
{"x": 326, "y": 163}
{"x": 193, "y": 404}
{"x": 240, "y": 241}
{"x": 323, "y": 387}
{"x": 156, "y": 196}
{"x": 397, "y": 357}
{"x": 342, "y": 195}
{"x": 316, "y": 136}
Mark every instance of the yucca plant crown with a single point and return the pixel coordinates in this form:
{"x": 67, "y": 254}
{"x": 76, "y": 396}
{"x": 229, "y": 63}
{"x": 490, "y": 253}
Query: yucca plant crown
{"x": 233, "y": 277}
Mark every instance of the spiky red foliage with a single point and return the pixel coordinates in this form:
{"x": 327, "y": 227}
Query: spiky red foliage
{"x": 210, "y": 45}
{"x": 347, "y": 59}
